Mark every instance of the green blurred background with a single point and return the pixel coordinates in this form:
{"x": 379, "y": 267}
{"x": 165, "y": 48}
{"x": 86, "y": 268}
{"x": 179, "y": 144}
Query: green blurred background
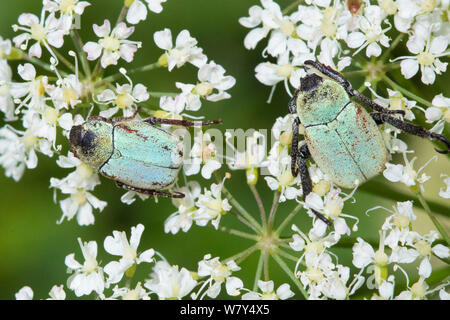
{"x": 33, "y": 246}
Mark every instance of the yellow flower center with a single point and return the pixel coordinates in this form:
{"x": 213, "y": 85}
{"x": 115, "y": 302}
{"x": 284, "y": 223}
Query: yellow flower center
{"x": 124, "y": 100}
{"x": 286, "y": 138}
{"x": 322, "y": 187}
{"x": 401, "y": 221}
{"x": 333, "y": 208}
{"x": 328, "y": 27}
{"x": 381, "y": 258}
{"x": 314, "y": 274}
{"x": 29, "y": 141}
{"x": 427, "y": 6}
{"x": 397, "y": 103}
{"x": 69, "y": 94}
{"x": 423, "y": 247}
{"x": 162, "y": 61}
{"x": 287, "y": 28}
{"x": 79, "y": 198}
{"x": 51, "y": 115}
{"x": 38, "y": 32}
{"x": 418, "y": 289}
{"x": 286, "y": 178}
{"x": 84, "y": 171}
{"x": 285, "y": 70}
{"x": 425, "y": 58}
{"x": 67, "y": 6}
{"x": 389, "y": 6}
{"x": 110, "y": 43}
{"x": 203, "y": 89}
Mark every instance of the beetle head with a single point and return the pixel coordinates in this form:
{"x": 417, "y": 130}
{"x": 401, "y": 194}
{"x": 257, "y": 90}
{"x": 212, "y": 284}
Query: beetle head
{"x": 91, "y": 142}
{"x": 310, "y": 82}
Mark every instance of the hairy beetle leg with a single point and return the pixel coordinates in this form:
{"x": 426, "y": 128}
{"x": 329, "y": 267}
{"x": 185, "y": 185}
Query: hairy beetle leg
{"x": 411, "y": 129}
{"x": 184, "y": 123}
{"x": 301, "y": 156}
{"x": 150, "y": 192}
{"x": 336, "y": 76}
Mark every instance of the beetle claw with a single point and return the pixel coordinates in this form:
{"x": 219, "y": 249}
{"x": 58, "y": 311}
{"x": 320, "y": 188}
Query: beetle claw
{"x": 447, "y": 143}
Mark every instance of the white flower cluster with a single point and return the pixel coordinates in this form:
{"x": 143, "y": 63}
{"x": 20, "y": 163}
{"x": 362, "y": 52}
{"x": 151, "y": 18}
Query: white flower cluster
{"x": 49, "y": 105}
{"x": 165, "y": 282}
{"x": 334, "y": 31}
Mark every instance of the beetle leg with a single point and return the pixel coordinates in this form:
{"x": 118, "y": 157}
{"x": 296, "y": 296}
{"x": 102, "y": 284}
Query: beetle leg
{"x": 411, "y": 129}
{"x": 294, "y": 147}
{"x": 293, "y": 103}
{"x": 336, "y": 76}
{"x": 184, "y": 123}
{"x": 149, "y": 191}
{"x": 130, "y": 117}
{"x": 302, "y": 155}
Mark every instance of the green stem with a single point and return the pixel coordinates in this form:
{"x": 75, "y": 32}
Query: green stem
{"x": 66, "y": 62}
{"x": 239, "y": 257}
{"x": 433, "y": 218}
{"x": 259, "y": 202}
{"x": 78, "y": 43}
{"x": 291, "y": 7}
{"x": 288, "y": 219}
{"x": 406, "y": 92}
{"x": 392, "y": 46}
{"x": 384, "y": 190}
{"x": 147, "y": 67}
{"x": 239, "y": 233}
{"x": 259, "y": 269}
{"x": 242, "y": 219}
{"x": 156, "y": 94}
{"x": 238, "y": 206}
{"x": 291, "y": 275}
{"x": 288, "y": 256}
{"x": 273, "y": 210}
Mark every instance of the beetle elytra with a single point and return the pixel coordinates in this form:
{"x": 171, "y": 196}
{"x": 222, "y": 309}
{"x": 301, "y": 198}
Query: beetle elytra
{"x": 138, "y": 155}
{"x": 341, "y": 136}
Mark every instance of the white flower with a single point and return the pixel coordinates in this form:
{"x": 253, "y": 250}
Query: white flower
{"x": 212, "y": 77}
{"x": 211, "y": 206}
{"x": 118, "y": 245}
{"x": 68, "y": 9}
{"x": 168, "y": 282}
{"x": 371, "y": 33}
{"x": 331, "y": 207}
{"x": 67, "y": 93}
{"x": 217, "y": 273}
{"x": 46, "y": 31}
{"x": 251, "y": 158}
{"x": 113, "y": 45}
{"x": 445, "y": 193}
{"x": 57, "y": 293}
{"x": 88, "y": 276}
{"x": 281, "y": 178}
{"x": 439, "y": 111}
{"x": 185, "y": 49}
{"x": 406, "y": 173}
{"x": 6, "y": 101}
{"x": 204, "y": 152}
{"x": 18, "y": 151}
{"x": 184, "y": 216}
{"x": 25, "y": 293}
{"x": 138, "y": 11}
{"x": 267, "y": 292}
{"x": 138, "y": 293}
{"x": 32, "y": 91}
{"x": 125, "y": 97}
{"x": 427, "y": 52}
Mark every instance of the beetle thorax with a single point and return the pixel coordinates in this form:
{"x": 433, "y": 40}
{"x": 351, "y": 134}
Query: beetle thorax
{"x": 320, "y": 101}
{"x": 92, "y": 142}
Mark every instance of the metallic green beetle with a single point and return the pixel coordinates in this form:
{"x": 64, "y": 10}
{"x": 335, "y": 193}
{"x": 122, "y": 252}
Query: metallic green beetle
{"x": 341, "y": 136}
{"x": 138, "y": 155}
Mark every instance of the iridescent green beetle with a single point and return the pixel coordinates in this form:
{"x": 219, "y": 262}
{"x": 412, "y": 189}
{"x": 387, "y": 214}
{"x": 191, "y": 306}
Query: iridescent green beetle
{"x": 341, "y": 136}
{"x": 138, "y": 155}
